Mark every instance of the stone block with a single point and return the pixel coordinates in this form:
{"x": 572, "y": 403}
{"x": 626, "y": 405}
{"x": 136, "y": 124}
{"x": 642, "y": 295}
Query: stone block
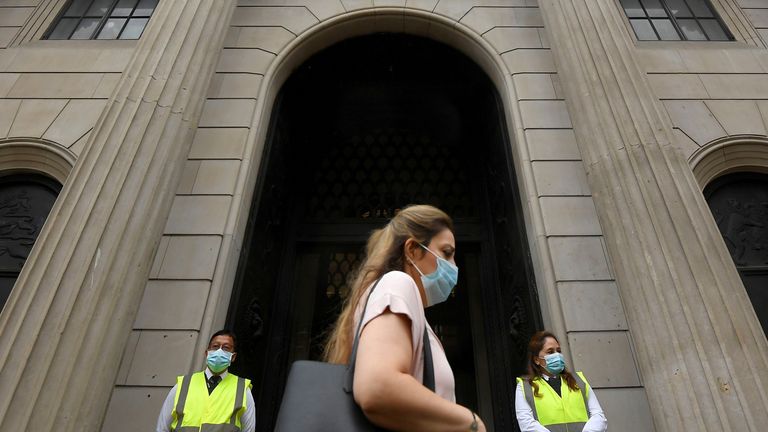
{"x": 35, "y": 116}
{"x": 545, "y": 115}
{"x": 483, "y": 19}
{"x": 506, "y": 39}
{"x": 351, "y": 5}
{"x": 606, "y": 358}
{"x": 560, "y": 178}
{"x": 14, "y": 16}
{"x": 75, "y": 120}
{"x": 685, "y": 145}
{"x": 79, "y": 145}
{"x": 590, "y": 306}
{"x": 7, "y": 80}
{"x": 579, "y": 258}
{"x": 216, "y": 177}
{"x": 219, "y": 143}
{"x": 234, "y": 86}
{"x": 720, "y": 61}
{"x": 534, "y": 86}
{"x": 677, "y": 86}
{"x": 227, "y": 113}
{"x": 73, "y": 56}
{"x": 738, "y": 117}
{"x": 254, "y": 61}
{"x": 695, "y": 119}
{"x": 626, "y": 409}
{"x": 190, "y": 257}
{"x": 271, "y": 39}
{"x": 8, "y": 109}
{"x": 57, "y": 86}
{"x": 736, "y": 86}
{"x": 198, "y": 214}
{"x": 569, "y": 216}
{"x": 427, "y": 5}
{"x": 758, "y": 17}
{"x": 157, "y": 262}
{"x": 7, "y": 34}
{"x": 134, "y": 409}
{"x": 529, "y": 60}
{"x": 296, "y": 19}
{"x": 177, "y": 348}
{"x": 661, "y": 60}
{"x": 107, "y": 85}
{"x": 188, "y": 176}
{"x": 552, "y": 144}
{"x": 389, "y": 3}
{"x": 172, "y": 305}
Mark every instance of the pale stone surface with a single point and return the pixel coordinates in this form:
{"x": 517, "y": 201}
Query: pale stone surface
{"x": 188, "y": 177}
{"x": 695, "y": 119}
{"x": 216, "y": 177}
{"x": 534, "y": 86}
{"x": 720, "y": 61}
{"x": 198, "y": 214}
{"x": 73, "y": 56}
{"x": 736, "y": 86}
{"x": 661, "y": 60}
{"x": 351, "y": 5}
{"x": 107, "y": 85}
{"x": 6, "y": 35}
{"x": 64, "y": 86}
{"x": 295, "y": 19}
{"x": 552, "y": 144}
{"x": 506, "y": 39}
{"x": 605, "y": 358}
{"x": 177, "y": 348}
{"x": 219, "y": 143}
{"x": 244, "y": 60}
{"x": 77, "y": 118}
{"x": 34, "y": 116}
{"x": 157, "y": 262}
{"x": 271, "y": 39}
{"x": 560, "y": 178}
{"x": 589, "y": 306}
{"x": 134, "y": 409}
{"x": 7, "y": 80}
{"x": 190, "y": 257}
{"x": 458, "y": 8}
{"x": 678, "y": 86}
{"x": 14, "y": 16}
{"x": 684, "y": 144}
{"x": 482, "y": 19}
{"x": 626, "y": 409}
{"x": 428, "y": 5}
{"x": 79, "y": 145}
{"x": 737, "y": 117}
{"x": 579, "y": 258}
{"x": 529, "y": 60}
{"x": 227, "y": 112}
{"x": 545, "y": 115}
{"x": 569, "y": 216}
{"x": 234, "y": 85}
{"x": 172, "y": 305}
{"x": 759, "y": 17}
{"x": 8, "y": 109}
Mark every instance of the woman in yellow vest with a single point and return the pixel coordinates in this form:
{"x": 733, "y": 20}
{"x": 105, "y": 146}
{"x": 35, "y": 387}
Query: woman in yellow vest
{"x": 551, "y": 399}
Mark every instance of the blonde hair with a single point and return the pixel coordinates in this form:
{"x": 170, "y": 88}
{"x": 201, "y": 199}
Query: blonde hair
{"x": 384, "y": 252}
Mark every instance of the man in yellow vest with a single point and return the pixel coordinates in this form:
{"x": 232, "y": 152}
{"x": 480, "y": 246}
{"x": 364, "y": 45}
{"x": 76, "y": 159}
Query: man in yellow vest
{"x": 213, "y": 399}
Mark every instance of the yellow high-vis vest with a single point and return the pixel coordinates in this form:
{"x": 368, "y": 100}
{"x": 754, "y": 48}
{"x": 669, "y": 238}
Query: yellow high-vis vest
{"x": 566, "y": 413}
{"x": 194, "y": 410}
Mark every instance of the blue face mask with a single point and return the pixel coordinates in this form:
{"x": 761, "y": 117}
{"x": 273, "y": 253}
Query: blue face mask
{"x": 218, "y": 361}
{"x": 555, "y": 363}
{"x": 438, "y": 284}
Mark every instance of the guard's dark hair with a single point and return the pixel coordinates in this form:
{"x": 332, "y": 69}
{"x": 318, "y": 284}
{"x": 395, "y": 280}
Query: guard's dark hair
{"x": 225, "y": 332}
{"x": 535, "y": 371}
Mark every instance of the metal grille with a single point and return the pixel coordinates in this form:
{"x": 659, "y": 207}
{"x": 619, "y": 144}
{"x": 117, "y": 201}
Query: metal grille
{"x": 374, "y": 175}
{"x": 340, "y": 268}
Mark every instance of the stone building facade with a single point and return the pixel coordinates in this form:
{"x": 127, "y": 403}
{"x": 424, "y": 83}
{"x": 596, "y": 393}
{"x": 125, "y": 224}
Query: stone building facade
{"x": 162, "y": 145}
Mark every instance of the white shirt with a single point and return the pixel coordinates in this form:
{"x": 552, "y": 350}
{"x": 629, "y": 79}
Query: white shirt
{"x": 596, "y": 423}
{"x": 165, "y": 418}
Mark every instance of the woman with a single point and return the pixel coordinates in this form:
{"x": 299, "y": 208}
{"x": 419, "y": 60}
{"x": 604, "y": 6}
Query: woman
{"x": 552, "y": 399}
{"x": 413, "y": 256}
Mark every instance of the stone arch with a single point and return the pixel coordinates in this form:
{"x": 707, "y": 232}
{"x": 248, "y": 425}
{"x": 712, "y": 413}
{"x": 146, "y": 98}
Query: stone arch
{"x": 35, "y": 155}
{"x": 726, "y": 155}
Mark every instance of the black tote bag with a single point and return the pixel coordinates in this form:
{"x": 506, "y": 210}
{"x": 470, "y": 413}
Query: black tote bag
{"x": 318, "y": 396}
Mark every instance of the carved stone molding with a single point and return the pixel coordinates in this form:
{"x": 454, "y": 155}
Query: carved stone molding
{"x": 729, "y": 154}
{"x": 37, "y": 156}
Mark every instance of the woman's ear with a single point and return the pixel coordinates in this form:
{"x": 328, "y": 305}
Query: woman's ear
{"x": 410, "y": 247}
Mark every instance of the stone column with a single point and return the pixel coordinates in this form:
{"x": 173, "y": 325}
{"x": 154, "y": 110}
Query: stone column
{"x": 701, "y": 351}
{"x": 63, "y": 331}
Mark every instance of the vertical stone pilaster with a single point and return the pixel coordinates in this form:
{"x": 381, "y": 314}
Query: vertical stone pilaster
{"x": 701, "y": 351}
{"x": 63, "y": 331}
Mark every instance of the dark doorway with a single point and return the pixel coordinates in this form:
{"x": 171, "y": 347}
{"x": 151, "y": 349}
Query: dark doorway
{"x": 359, "y": 131}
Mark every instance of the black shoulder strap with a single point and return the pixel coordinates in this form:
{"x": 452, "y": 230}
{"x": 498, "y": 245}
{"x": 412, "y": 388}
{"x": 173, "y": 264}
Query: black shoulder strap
{"x": 429, "y": 373}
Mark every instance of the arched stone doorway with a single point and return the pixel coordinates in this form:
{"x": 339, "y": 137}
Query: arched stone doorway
{"x": 360, "y": 130}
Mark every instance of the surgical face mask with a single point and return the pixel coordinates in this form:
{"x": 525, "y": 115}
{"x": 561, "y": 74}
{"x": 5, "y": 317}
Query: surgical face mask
{"x": 438, "y": 284}
{"x": 555, "y": 363}
{"x": 219, "y": 360}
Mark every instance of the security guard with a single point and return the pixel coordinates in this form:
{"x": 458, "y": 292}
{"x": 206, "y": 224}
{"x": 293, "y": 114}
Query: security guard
{"x": 212, "y": 400}
{"x": 551, "y": 399}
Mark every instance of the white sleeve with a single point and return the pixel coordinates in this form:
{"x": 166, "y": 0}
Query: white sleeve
{"x": 166, "y": 412}
{"x": 525, "y": 414}
{"x": 249, "y": 418}
{"x": 597, "y": 421}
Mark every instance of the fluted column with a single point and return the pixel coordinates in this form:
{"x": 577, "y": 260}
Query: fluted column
{"x": 701, "y": 351}
{"x": 64, "y": 328}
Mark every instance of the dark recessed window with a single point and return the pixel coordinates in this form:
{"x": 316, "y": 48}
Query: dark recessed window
{"x": 671, "y": 20}
{"x": 103, "y": 19}
{"x": 739, "y": 203}
{"x": 25, "y": 201}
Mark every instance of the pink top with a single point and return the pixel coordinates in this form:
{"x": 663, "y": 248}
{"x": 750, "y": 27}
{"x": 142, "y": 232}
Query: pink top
{"x": 398, "y": 292}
